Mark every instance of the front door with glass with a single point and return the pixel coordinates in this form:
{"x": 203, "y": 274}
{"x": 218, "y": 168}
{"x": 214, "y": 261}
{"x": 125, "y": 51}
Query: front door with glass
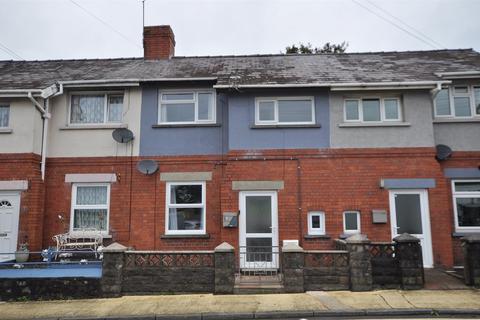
{"x": 258, "y": 230}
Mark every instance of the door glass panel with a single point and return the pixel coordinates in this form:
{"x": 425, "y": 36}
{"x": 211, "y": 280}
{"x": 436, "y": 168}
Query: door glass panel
{"x": 409, "y": 213}
{"x": 258, "y": 214}
{"x": 259, "y": 249}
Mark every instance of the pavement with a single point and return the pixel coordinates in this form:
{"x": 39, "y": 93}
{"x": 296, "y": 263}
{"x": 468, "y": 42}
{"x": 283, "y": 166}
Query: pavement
{"x": 209, "y": 306}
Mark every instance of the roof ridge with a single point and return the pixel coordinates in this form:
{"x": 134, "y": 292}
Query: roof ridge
{"x": 248, "y": 55}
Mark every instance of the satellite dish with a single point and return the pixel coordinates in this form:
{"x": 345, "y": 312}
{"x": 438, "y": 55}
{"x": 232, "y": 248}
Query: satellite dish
{"x": 147, "y": 166}
{"x": 122, "y": 135}
{"x": 443, "y": 152}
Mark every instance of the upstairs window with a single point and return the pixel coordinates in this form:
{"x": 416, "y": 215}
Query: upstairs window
{"x": 461, "y": 101}
{"x": 187, "y": 107}
{"x": 372, "y": 110}
{"x": 466, "y": 203}
{"x": 97, "y": 108}
{"x": 285, "y": 111}
{"x": 4, "y": 115}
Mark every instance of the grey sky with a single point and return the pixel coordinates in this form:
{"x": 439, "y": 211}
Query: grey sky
{"x": 58, "y": 29}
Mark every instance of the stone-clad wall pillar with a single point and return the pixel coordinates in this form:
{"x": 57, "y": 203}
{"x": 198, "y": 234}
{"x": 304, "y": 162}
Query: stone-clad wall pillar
{"x": 292, "y": 266}
{"x": 471, "y": 251}
{"x": 224, "y": 268}
{"x": 112, "y": 269}
{"x": 360, "y": 263}
{"x": 408, "y": 253}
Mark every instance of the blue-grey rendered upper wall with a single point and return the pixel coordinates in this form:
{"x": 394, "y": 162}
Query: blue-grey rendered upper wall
{"x": 241, "y": 118}
{"x": 181, "y": 140}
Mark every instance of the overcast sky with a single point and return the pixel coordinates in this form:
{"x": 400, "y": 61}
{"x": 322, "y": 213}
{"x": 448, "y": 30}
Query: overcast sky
{"x": 61, "y": 29}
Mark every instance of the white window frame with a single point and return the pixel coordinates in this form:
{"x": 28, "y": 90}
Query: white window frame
{"x": 195, "y": 93}
{"x": 358, "y": 230}
{"x": 451, "y": 98}
{"x": 311, "y": 229}
{"x": 463, "y": 194}
{"x": 275, "y": 121}
{"x": 74, "y": 206}
{"x": 9, "y": 114}
{"x": 168, "y": 205}
{"x": 382, "y": 109}
{"x": 105, "y": 94}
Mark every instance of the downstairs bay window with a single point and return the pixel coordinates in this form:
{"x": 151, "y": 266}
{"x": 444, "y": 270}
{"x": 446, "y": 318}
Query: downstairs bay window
{"x": 90, "y": 208}
{"x": 185, "y": 209}
{"x": 466, "y": 204}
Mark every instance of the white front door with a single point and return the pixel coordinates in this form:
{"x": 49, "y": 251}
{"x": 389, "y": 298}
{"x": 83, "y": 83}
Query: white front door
{"x": 9, "y": 215}
{"x": 410, "y": 214}
{"x": 258, "y": 230}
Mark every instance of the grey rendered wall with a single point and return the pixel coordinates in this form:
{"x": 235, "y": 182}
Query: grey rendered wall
{"x": 458, "y": 136}
{"x": 241, "y": 118}
{"x": 178, "y": 140}
{"x": 417, "y": 110}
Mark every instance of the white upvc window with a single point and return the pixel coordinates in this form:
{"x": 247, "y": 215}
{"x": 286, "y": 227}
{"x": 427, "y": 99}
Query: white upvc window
{"x": 90, "y": 208}
{"x": 466, "y": 205}
{"x": 458, "y": 102}
{"x": 88, "y": 108}
{"x": 284, "y": 111}
{"x": 372, "y": 109}
{"x": 187, "y": 107}
{"x": 316, "y": 223}
{"x": 4, "y": 115}
{"x": 185, "y": 208}
{"x": 351, "y": 222}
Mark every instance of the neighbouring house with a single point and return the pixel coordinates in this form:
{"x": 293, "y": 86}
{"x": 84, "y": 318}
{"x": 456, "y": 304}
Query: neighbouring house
{"x": 251, "y": 150}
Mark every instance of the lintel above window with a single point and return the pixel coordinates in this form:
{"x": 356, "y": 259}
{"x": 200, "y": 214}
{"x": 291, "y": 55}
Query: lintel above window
{"x": 372, "y": 110}
{"x": 458, "y": 102}
{"x": 284, "y": 111}
{"x": 187, "y": 107}
{"x": 87, "y": 108}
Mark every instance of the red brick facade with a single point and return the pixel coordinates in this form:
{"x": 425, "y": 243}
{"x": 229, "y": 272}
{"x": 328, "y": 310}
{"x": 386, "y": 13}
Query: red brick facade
{"x": 331, "y": 180}
{"x": 27, "y": 167}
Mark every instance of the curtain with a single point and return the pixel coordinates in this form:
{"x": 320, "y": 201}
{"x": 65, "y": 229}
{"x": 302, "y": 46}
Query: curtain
{"x": 4, "y": 115}
{"x": 90, "y": 219}
{"x": 115, "y": 108}
{"x": 87, "y": 109}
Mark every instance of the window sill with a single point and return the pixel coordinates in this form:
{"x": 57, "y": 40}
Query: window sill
{"x": 317, "y": 236}
{"x": 284, "y": 126}
{"x": 460, "y": 234}
{"x": 185, "y": 236}
{"x": 5, "y": 130}
{"x": 373, "y": 125}
{"x": 192, "y": 125}
{"x": 94, "y": 127}
{"x": 453, "y": 120}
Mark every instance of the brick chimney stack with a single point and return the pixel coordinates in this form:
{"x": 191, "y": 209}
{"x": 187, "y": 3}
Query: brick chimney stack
{"x": 158, "y": 42}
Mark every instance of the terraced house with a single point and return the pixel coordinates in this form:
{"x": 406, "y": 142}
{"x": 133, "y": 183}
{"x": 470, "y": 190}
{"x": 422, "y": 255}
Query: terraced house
{"x": 253, "y": 150}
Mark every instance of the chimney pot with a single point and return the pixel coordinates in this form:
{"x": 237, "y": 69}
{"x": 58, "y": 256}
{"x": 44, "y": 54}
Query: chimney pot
{"x": 158, "y": 42}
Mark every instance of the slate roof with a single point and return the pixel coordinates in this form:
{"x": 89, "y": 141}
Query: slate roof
{"x": 249, "y": 69}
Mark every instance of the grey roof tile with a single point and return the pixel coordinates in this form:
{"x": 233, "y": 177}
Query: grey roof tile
{"x": 248, "y": 70}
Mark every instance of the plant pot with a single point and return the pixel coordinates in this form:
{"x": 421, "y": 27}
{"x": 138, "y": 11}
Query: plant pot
{"x": 22, "y": 256}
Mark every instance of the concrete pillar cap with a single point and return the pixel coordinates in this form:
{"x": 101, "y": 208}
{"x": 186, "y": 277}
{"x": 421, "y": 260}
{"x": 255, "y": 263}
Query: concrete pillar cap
{"x": 291, "y": 247}
{"x": 224, "y": 247}
{"x": 115, "y": 247}
{"x": 406, "y": 237}
{"x": 358, "y": 238}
